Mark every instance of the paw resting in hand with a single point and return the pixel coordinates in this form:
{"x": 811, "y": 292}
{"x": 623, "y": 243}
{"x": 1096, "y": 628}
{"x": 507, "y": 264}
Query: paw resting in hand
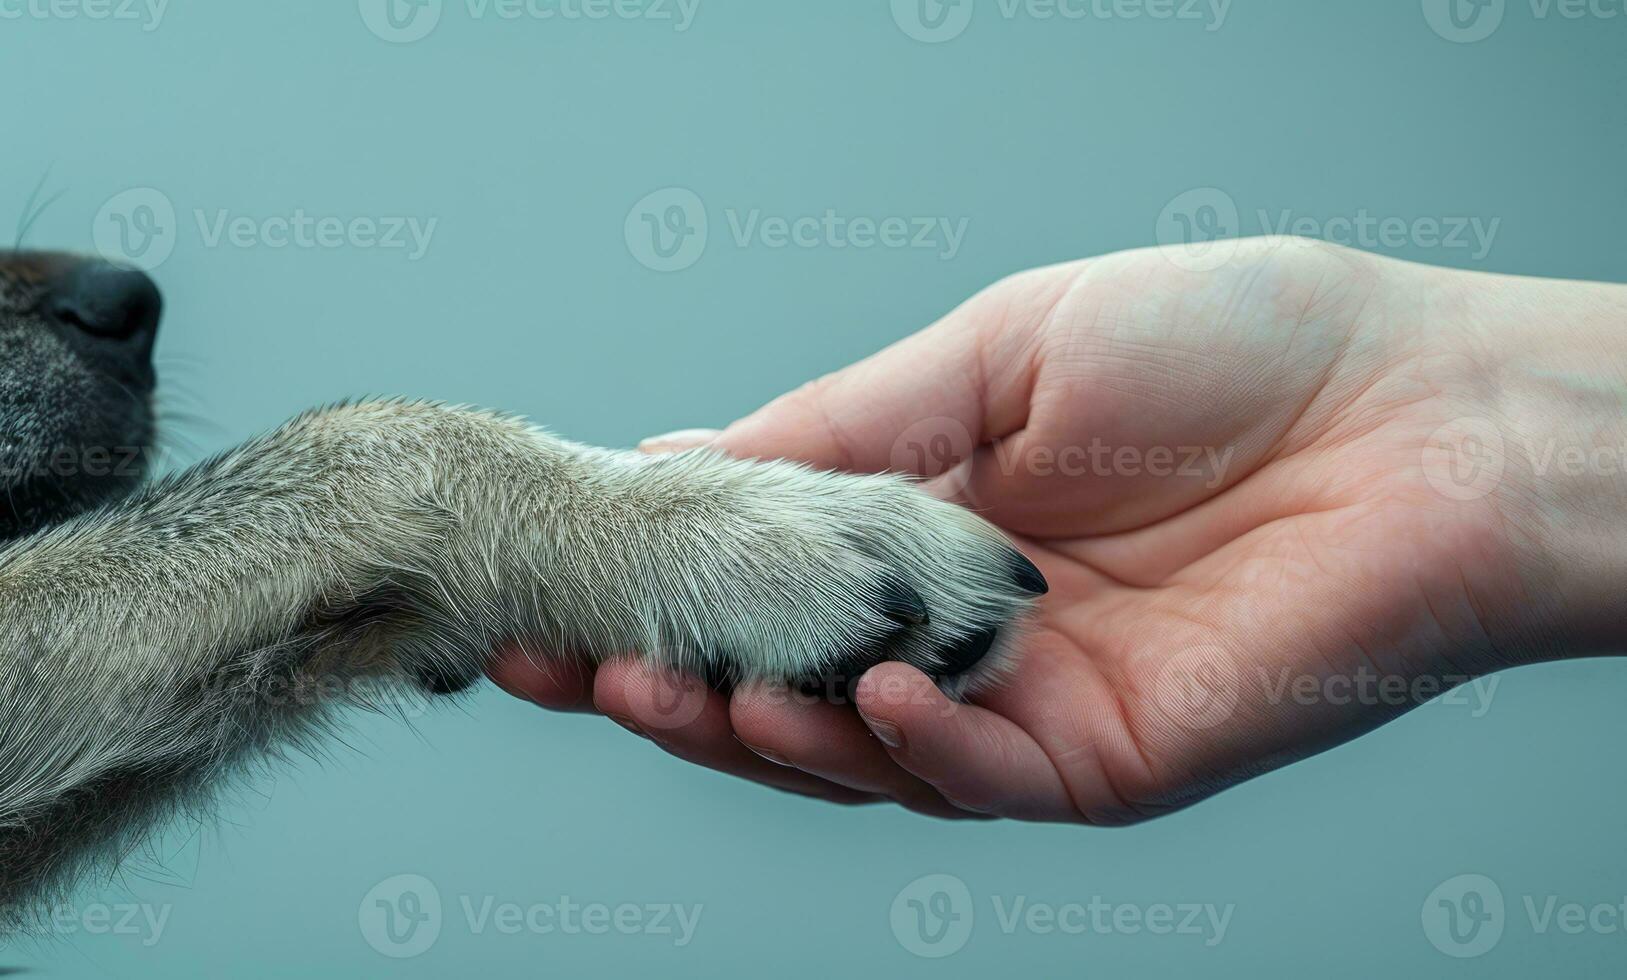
{"x": 816, "y": 577}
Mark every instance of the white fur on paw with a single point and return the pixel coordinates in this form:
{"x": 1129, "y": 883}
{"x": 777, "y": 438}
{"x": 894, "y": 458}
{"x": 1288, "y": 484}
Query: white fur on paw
{"x": 820, "y": 576}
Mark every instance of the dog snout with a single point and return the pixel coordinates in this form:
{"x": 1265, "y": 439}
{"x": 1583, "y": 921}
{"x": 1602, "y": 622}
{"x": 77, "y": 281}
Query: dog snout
{"x": 108, "y": 302}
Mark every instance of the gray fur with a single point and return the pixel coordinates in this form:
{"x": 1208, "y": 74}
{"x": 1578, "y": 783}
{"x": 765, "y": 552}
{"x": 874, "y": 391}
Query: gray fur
{"x": 152, "y": 645}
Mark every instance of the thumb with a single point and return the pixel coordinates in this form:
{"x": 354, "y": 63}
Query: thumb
{"x": 677, "y": 442}
{"x": 924, "y": 404}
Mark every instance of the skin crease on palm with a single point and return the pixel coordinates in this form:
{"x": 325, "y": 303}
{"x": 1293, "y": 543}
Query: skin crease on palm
{"x": 1324, "y": 537}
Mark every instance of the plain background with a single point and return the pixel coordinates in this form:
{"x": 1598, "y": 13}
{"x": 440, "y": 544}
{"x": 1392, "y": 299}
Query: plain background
{"x": 528, "y": 141}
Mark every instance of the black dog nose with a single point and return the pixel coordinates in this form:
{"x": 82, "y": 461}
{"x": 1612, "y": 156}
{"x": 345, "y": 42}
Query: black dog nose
{"x": 108, "y": 301}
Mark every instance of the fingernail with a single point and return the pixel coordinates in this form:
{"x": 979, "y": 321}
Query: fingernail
{"x": 628, "y": 724}
{"x": 673, "y": 442}
{"x": 886, "y": 731}
{"x": 965, "y": 806}
{"x": 774, "y": 757}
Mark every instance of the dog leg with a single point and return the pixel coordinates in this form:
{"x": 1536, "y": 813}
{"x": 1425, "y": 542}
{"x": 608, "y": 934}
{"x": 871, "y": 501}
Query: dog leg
{"x": 148, "y": 648}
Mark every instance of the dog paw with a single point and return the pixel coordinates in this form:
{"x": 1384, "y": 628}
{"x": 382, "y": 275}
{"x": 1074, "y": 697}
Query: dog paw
{"x": 819, "y": 576}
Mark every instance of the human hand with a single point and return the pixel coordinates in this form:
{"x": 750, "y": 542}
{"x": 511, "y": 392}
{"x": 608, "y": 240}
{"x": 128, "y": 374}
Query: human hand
{"x": 1278, "y": 503}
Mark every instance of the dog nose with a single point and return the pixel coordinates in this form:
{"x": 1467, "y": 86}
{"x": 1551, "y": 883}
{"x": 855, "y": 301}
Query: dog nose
{"x": 108, "y": 301}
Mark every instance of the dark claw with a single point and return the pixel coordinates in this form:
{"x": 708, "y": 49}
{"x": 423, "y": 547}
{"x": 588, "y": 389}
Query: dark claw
{"x": 960, "y": 659}
{"x": 1027, "y": 576}
{"x": 901, "y": 603}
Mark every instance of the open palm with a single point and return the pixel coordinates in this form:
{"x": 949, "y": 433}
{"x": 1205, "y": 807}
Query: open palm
{"x": 1272, "y": 497}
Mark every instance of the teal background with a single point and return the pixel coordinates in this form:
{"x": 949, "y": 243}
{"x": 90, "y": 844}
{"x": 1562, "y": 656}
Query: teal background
{"x": 529, "y": 141}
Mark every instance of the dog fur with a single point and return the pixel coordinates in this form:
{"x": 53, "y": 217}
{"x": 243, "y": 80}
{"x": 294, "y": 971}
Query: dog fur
{"x": 154, "y": 638}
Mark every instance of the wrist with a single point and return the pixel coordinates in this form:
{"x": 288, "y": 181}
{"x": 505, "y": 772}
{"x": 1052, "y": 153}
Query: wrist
{"x": 1556, "y": 395}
